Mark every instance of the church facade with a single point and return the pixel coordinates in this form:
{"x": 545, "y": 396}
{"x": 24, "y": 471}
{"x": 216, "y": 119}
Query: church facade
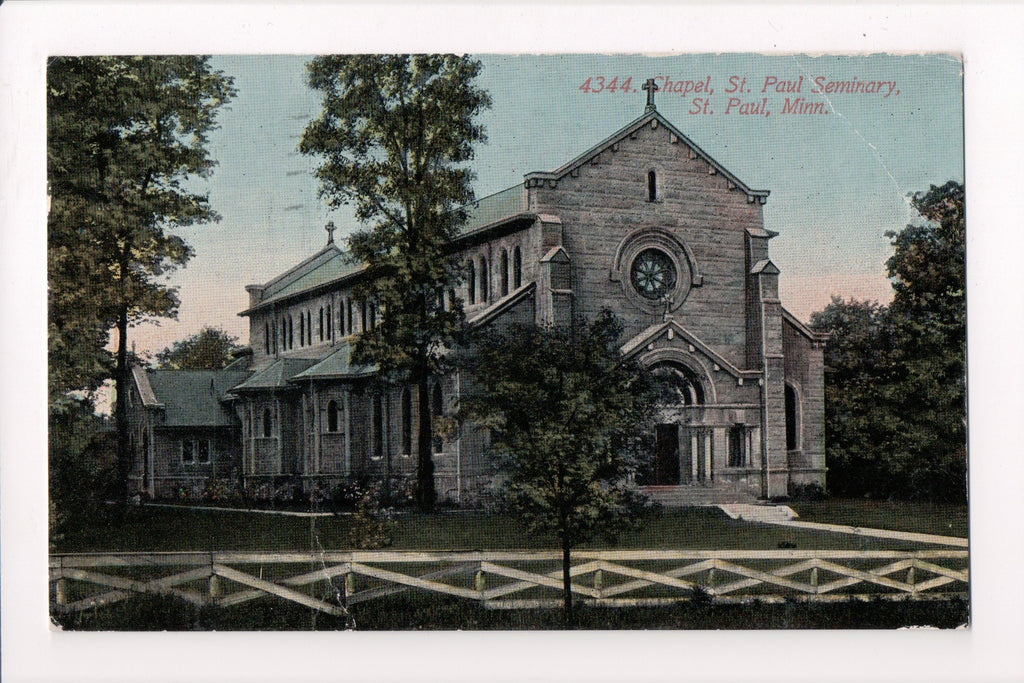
{"x": 645, "y": 224}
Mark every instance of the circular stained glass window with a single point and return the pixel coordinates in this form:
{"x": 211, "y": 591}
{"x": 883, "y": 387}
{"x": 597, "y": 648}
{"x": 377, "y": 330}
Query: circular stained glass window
{"x": 653, "y": 274}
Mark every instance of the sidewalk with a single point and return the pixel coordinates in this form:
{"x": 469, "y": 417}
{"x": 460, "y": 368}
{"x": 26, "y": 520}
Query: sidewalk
{"x": 783, "y": 515}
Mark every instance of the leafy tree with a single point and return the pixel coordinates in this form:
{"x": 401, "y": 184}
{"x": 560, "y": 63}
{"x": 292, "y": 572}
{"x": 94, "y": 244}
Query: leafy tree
{"x": 393, "y": 135}
{"x": 126, "y": 135}
{"x": 209, "y": 349}
{"x": 895, "y": 390}
{"x": 572, "y": 419}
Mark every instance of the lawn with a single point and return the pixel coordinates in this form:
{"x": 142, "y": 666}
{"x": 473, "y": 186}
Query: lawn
{"x": 924, "y": 518}
{"x": 165, "y": 529}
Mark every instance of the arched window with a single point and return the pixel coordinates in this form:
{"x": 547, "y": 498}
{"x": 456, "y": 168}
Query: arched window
{"x": 332, "y": 416}
{"x": 436, "y": 411}
{"x": 471, "y": 282}
{"x": 309, "y": 327}
{"x": 504, "y": 272}
{"x": 273, "y": 336}
{"x": 406, "y": 422}
{"x": 330, "y": 322}
{"x": 517, "y": 268}
{"x": 291, "y": 336}
{"x": 792, "y": 419}
{"x": 677, "y": 385}
{"x": 302, "y": 331}
{"x": 349, "y": 329}
{"x": 378, "y": 426}
{"x": 266, "y": 336}
{"x": 652, "y": 186}
{"x": 362, "y": 311}
{"x": 321, "y": 323}
{"x": 483, "y": 279}
{"x": 268, "y": 424}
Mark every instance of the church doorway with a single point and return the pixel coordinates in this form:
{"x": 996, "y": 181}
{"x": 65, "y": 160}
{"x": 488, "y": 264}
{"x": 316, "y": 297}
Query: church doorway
{"x": 666, "y": 455}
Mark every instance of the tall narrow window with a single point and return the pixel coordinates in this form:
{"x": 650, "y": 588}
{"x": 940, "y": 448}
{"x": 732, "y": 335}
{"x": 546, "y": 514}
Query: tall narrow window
{"x": 652, "y": 186}
{"x": 517, "y": 268}
{"x": 737, "y": 446}
{"x": 187, "y": 453}
{"x": 268, "y": 424}
{"x": 373, "y": 315}
{"x": 321, "y": 323}
{"x": 330, "y": 322}
{"x": 302, "y": 331}
{"x": 504, "y": 272}
{"x": 406, "y": 422}
{"x": 483, "y": 279}
{"x": 332, "y": 416}
{"x": 274, "y": 336}
{"x": 309, "y": 326}
{"x": 349, "y": 329}
{"x": 792, "y": 421}
{"x": 291, "y": 335}
{"x": 378, "y": 426}
{"x": 203, "y": 450}
{"x": 266, "y": 336}
{"x": 471, "y": 282}
{"x": 436, "y": 411}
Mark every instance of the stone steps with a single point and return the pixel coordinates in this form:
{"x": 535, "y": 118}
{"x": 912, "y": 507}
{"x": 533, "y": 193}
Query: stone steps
{"x": 686, "y": 496}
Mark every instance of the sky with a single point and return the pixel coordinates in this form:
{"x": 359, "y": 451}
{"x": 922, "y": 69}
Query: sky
{"x": 839, "y": 181}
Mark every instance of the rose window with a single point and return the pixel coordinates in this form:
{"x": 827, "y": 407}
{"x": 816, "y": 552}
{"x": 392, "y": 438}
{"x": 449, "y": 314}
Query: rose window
{"x": 653, "y": 274}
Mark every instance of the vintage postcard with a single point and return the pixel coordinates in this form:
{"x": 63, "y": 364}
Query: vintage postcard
{"x": 367, "y": 340}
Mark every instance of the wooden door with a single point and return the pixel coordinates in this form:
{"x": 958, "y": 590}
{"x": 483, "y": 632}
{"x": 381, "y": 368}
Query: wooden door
{"x": 666, "y": 455}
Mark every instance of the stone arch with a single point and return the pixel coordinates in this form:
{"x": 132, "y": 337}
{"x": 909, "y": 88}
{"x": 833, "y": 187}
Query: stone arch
{"x": 697, "y": 370}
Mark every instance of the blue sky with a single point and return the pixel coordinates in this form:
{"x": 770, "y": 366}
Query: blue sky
{"x": 838, "y": 181}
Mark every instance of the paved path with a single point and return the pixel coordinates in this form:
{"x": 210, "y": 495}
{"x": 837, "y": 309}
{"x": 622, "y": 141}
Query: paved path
{"x": 782, "y": 515}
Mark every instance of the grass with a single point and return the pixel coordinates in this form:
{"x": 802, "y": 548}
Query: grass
{"x": 924, "y": 518}
{"x": 411, "y": 611}
{"x": 165, "y": 529}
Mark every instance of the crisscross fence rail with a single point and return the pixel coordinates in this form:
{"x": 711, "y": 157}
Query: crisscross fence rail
{"x": 332, "y": 581}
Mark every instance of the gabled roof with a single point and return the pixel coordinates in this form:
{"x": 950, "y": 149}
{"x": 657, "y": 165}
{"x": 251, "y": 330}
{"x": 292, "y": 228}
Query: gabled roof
{"x": 326, "y": 266}
{"x": 633, "y": 127}
{"x": 502, "y": 305}
{"x": 193, "y": 398}
{"x": 793, "y": 321}
{"x": 276, "y": 375}
{"x": 338, "y": 365}
{"x": 637, "y": 343}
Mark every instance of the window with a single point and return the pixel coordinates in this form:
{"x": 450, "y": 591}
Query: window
{"x": 332, "y": 416}
{"x": 330, "y": 322}
{"x": 653, "y": 274}
{"x": 792, "y": 420}
{"x": 436, "y": 411}
{"x": 203, "y": 449}
{"x": 266, "y": 336}
{"x": 483, "y": 279}
{"x": 517, "y": 268}
{"x": 737, "y": 446}
{"x": 291, "y": 331}
{"x": 321, "y": 323}
{"x": 274, "y": 336}
{"x": 268, "y": 424}
{"x": 378, "y": 426}
{"x": 471, "y": 282}
{"x": 196, "y": 450}
{"x": 406, "y": 422}
{"x": 504, "y": 272}
{"x": 309, "y": 326}
{"x": 302, "y": 334}
{"x": 188, "y": 455}
{"x": 362, "y": 311}
{"x": 350, "y": 316}
{"x": 373, "y": 315}
{"x": 652, "y": 186}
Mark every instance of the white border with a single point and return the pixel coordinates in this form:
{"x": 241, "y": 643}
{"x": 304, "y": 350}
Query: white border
{"x": 989, "y": 38}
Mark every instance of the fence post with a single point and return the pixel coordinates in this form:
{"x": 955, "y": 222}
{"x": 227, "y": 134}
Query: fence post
{"x": 350, "y": 583}
{"x": 814, "y": 577}
{"x": 710, "y": 582}
{"x": 479, "y": 583}
{"x": 62, "y": 591}
{"x": 598, "y": 580}
{"x": 910, "y": 578}
{"x": 215, "y": 590}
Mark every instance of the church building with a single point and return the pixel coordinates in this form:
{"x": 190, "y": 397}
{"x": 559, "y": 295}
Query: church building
{"x": 646, "y": 224}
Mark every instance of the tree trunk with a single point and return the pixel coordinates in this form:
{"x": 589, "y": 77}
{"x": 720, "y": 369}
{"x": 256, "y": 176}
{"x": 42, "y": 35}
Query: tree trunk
{"x": 568, "y": 613}
{"x": 121, "y": 385}
{"x": 425, "y": 494}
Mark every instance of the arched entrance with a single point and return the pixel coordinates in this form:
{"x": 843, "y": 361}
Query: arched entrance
{"x": 680, "y": 444}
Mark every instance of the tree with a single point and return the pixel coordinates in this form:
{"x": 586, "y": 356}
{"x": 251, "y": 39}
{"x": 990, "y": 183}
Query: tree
{"x": 393, "y": 135}
{"x": 895, "y": 390}
{"x": 209, "y": 349}
{"x": 572, "y": 419}
{"x": 126, "y": 135}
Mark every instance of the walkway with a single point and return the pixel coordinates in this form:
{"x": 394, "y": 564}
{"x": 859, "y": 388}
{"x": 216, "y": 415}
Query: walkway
{"x": 783, "y": 515}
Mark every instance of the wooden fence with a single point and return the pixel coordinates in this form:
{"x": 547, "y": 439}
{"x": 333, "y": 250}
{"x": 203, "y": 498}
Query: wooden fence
{"x": 331, "y": 581}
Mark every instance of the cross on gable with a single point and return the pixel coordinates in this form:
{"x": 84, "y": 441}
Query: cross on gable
{"x": 330, "y": 233}
{"x": 651, "y": 87}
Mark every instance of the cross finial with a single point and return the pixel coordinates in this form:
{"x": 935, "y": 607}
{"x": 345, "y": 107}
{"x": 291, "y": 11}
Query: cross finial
{"x": 651, "y": 87}
{"x": 330, "y": 232}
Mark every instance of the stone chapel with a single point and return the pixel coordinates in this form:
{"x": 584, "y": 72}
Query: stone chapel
{"x": 644, "y": 223}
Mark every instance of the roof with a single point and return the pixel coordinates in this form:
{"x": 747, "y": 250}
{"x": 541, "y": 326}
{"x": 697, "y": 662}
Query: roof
{"x": 276, "y": 375}
{"x": 494, "y": 208}
{"x": 640, "y": 341}
{"x": 632, "y": 127}
{"x": 326, "y": 266}
{"x": 193, "y": 398}
{"x": 501, "y": 305}
{"x": 807, "y": 332}
{"x": 338, "y": 365}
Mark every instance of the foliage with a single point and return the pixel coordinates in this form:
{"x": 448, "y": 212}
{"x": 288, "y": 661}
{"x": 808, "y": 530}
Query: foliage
{"x": 895, "y": 391}
{"x": 209, "y": 349}
{"x": 125, "y": 136}
{"x": 571, "y": 417}
{"x": 393, "y": 135}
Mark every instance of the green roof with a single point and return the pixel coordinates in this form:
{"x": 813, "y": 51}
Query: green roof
{"x": 324, "y": 267}
{"x": 493, "y": 208}
{"x": 276, "y": 375}
{"x": 194, "y": 398}
{"x": 338, "y": 365}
